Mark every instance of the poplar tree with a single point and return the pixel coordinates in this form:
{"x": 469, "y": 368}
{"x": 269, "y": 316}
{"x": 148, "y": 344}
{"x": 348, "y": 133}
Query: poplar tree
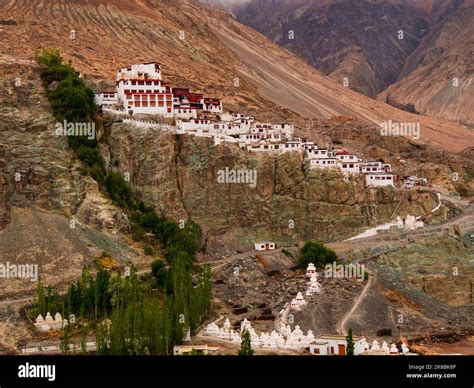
{"x": 246, "y": 344}
{"x": 350, "y": 343}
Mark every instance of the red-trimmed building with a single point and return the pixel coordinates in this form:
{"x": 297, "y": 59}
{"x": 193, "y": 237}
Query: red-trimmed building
{"x": 140, "y": 89}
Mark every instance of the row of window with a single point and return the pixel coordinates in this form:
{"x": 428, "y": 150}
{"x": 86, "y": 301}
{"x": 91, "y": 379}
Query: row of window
{"x": 140, "y": 83}
{"x": 151, "y": 104}
{"x": 378, "y": 178}
{"x": 138, "y": 97}
{"x": 160, "y": 95}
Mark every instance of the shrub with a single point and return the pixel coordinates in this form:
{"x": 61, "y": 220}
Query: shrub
{"x": 316, "y": 253}
{"x": 148, "y": 250}
{"x": 119, "y": 191}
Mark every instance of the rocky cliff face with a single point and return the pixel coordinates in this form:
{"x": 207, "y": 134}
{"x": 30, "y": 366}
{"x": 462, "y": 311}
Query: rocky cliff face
{"x": 179, "y": 176}
{"x": 51, "y": 214}
{"x": 38, "y": 168}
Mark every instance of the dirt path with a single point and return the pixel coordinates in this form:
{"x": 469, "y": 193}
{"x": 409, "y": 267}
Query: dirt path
{"x": 342, "y": 324}
{"x": 398, "y": 238}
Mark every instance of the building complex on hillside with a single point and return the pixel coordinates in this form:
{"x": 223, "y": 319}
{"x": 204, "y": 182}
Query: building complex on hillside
{"x": 141, "y": 90}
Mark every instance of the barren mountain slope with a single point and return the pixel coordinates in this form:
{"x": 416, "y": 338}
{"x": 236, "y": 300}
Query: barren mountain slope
{"x": 447, "y": 55}
{"x": 354, "y": 39}
{"x": 214, "y": 52}
{"x": 358, "y": 41}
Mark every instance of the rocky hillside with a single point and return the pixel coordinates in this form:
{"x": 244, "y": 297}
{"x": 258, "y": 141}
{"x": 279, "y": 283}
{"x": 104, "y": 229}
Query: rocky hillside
{"x": 437, "y": 77}
{"x": 354, "y": 39}
{"x": 290, "y": 204}
{"x": 358, "y": 40}
{"x": 208, "y": 51}
{"x": 51, "y": 214}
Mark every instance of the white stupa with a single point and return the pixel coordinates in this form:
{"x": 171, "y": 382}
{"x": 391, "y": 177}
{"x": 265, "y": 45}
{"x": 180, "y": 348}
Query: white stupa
{"x": 294, "y": 305}
{"x": 311, "y": 270}
{"x": 385, "y": 347}
{"x": 393, "y": 349}
{"x": 314, "y": 286}
{"x": 375, "y": 346}
{"x": 366, "y": 345}
{"x": 235, "y": 337}
{"x": 309, "y": 337}
{"x": 212, "y": 330}
{"x": 227, "y": 324}
{"x": 300, "y": 299}
{"x": 49, "y": 319}
{"x": 245, "y": 324}
{"x": 298, "y": 333}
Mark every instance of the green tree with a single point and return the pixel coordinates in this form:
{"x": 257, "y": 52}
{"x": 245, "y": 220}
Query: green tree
{"x": 246, "y": 344}
{"x": 65, "y": 340}
{"x": 40, "y": 300}
{"x": 119, "y": 191}
{"x": 316, "y": 253}
{"x": 350, "y": 343}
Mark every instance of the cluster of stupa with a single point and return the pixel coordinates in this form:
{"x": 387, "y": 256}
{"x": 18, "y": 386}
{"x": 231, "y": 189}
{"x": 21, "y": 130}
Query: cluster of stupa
{"x": 314, "y": 287}
{"x": 225, "y": 332}
{"x": 376, "y": 349}
{"x": 285, "y": 339}
{"x": 50, "y": 323}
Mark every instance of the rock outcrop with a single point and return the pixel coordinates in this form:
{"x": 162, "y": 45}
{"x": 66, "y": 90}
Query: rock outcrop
{"x": 178, "y": 175}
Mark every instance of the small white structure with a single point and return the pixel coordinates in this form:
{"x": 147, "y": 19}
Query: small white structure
{"x": 314, "y": 286}
{"x": 379, "y": 179}
{"x": 348, "y": 163}
{"x": 298, "y": 302}
{"x": 50, "y": 323}
{"x": 412, "y": 223}
{"x": 106, "y": 99}
{"x": 328, "y": 163}
{"x": 315, "y": 153}
{"x": 412, "y": 181}
{"x": 311, "y": 270}
{"x": 265, "y": 246}
{"x": 329, "y": 344}
{"x": 375, "y": 167}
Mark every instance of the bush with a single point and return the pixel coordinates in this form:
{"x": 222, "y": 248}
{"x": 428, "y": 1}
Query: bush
{"x": 160, "y": 273}
{"x": 119, "y": 191}
{"x": 316, "y": 253}
{"x": 149, "y": 251}
{"x": 72, "y": 100}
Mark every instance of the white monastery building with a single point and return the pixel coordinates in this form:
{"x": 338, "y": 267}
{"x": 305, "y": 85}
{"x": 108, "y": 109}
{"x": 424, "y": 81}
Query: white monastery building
{"x": 265, "y": 246}
{"x": 140, "y": 90}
